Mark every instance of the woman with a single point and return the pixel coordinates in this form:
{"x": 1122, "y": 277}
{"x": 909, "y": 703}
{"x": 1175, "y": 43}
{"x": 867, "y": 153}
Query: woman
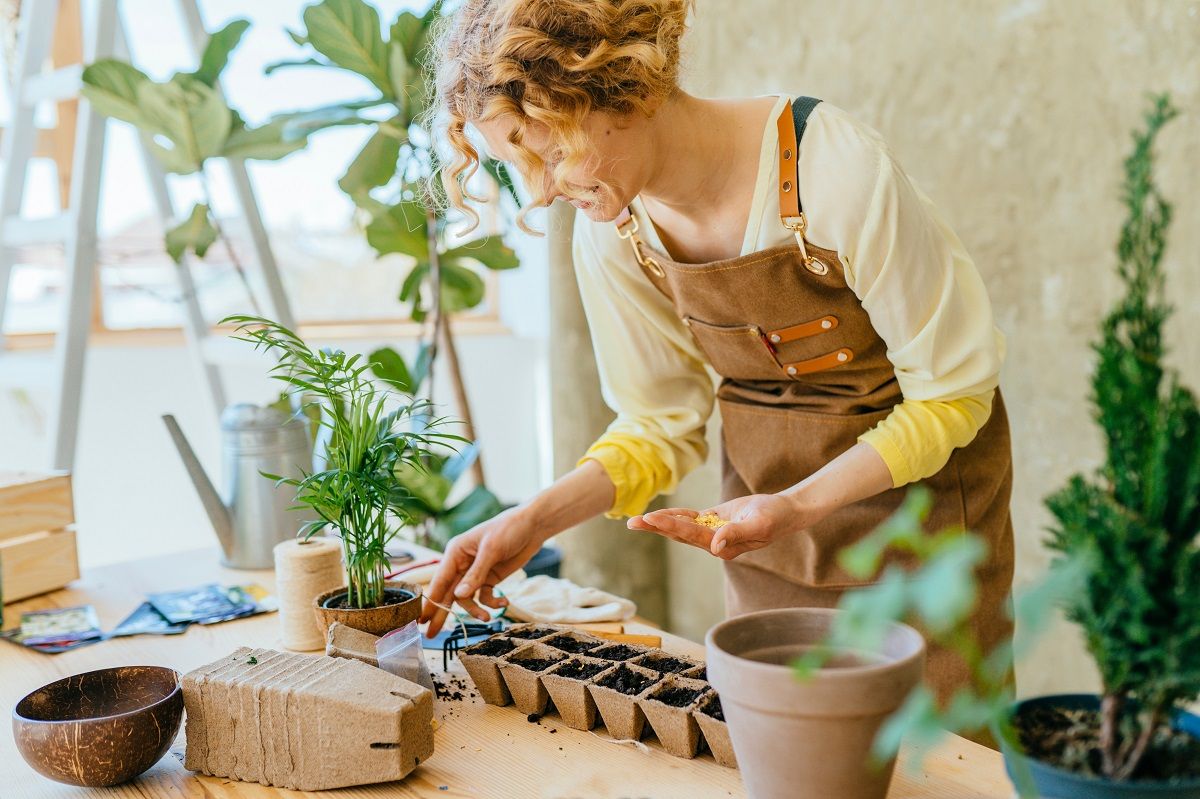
{"x": 775, "y": 240}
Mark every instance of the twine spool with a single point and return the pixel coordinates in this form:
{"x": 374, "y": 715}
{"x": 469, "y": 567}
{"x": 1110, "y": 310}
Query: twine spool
{"x": 304, "y": 569}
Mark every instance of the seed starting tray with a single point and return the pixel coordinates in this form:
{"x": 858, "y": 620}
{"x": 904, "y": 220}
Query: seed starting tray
{"x": 588, "y": 680}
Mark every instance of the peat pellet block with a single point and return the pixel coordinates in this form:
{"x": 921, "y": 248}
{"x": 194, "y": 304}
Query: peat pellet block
{"x": 530, "y": 632}
{"x": 615, "y": 693}
{"x": 306, "y": 723}
{"x": 346, "y": 642}
{"x": 481, "y": 659}
{"x": 522, "y": 670}
{"x": 573, "y": 643}
{"x": 619, "y": 652}
{"x": 711, "y": 718}
{"x": 665, "y": 663}
{"x": 567, "y": 685}
{"x": 668, "y": 707}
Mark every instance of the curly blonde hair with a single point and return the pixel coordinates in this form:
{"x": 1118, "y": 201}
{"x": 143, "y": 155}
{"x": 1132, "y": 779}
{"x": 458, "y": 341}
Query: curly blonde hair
{"x": 550, "y": 62}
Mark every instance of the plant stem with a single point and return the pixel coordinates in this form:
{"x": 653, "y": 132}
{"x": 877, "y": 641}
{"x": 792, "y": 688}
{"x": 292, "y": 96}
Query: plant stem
{"x": 1149, "y": 725}
{"x": 1110, "y": 711}
{"x": 460, "y": 394}
{"x": 233, "y": 256}
{"x": 435, "y": 274}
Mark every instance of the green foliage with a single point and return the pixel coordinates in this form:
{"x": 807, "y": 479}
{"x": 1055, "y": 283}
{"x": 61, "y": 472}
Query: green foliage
{"x": 938, "y": 596}
{"x": 356, "y": 493}
{"x": 431, "y": 481}
{"x": 390, "y": 177}
{"x": 187, "y": 122}
{"x": 1137, "y": 520}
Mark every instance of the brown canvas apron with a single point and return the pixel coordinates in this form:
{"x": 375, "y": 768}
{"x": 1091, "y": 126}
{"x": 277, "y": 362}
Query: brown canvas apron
{"x": 804, "y": 374}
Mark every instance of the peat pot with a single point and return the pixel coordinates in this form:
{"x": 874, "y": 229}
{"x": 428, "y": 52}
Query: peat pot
{"x": 1053, "y": 782}
{"x": 402, "y": 605}
{"x": 812, "y": 739}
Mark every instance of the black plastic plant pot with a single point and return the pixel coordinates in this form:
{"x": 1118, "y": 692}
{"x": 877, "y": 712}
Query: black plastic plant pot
{"x": 1059, "y": 783}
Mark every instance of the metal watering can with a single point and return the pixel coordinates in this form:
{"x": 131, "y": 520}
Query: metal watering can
{"x": 252, "y": 514}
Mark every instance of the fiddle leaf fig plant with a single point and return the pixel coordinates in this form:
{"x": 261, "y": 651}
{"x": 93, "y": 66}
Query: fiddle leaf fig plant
{"x": 391, "y": 179}
{"x": 186, "y": 122}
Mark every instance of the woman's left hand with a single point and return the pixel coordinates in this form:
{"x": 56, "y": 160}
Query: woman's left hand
{"x": 753, "y": 523}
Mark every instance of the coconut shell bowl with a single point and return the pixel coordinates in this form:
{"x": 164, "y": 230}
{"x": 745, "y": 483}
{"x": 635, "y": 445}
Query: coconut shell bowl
{"x": 102, "y": 727}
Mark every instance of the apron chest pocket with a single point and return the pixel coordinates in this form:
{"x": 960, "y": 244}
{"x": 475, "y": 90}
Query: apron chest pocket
{"x": 738, "y": 352}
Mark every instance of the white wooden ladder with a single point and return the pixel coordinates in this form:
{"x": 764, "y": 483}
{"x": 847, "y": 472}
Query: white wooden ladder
{"x": 76, "y": 226}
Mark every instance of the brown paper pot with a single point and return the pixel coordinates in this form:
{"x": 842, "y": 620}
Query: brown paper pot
{"x": 482, "y": 660}
{"x": 376, "y": 621}
{"x": 530, "y": 631}
{"x": 567, "y": 685}
{"x": 668, "y": 708}
{"x": 622, "y": 717}
{"x": 619, "y": 653}
{"x": 807, "y": 740}
{"x": 697, "y": 673}
{"x": 522, "y": 670}
{"x": 666, "y": 663}
{"x": 711, "y": 718}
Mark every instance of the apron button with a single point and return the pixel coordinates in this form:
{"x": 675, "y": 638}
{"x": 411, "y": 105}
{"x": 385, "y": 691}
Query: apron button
{"x": 791, "y": 370}
{"x": 843, "y": 357}
{"x": 775, "y": 338}
{"x": 826, "y": 324}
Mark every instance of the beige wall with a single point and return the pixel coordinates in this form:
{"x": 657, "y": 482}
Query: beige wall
{"x": 1014, "y": 116}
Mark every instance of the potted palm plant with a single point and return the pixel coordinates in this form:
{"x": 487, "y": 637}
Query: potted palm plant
{"x": 369, "y": 434}
{"x": 1136, "y": 524}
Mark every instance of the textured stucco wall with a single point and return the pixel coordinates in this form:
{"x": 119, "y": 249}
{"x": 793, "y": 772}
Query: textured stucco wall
{"x": 1014, "y": 116}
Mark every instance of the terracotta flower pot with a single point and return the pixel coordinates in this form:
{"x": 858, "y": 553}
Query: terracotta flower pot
{"x": 1059, "y": 783}
{"x": 807, "y": 740}
{"x": 377, "y": 621}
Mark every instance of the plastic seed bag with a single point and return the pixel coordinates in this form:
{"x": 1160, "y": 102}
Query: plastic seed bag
{"x": 400, "y": 653}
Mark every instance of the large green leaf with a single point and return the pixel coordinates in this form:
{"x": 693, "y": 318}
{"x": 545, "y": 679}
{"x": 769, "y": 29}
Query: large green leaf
{"x": 274, "y": 66}
{"x": 425, "y": 484}
{"x": 265, "y": 142}
{"x": 191, "y": 115}
{"x": 489, "y": 251}
{"x": 409, "y": 32}
{"x": 476, "y": 508}
{"x": 462, "y": 287}
{"x": 111, "y": 87}
{"x": 399, "y": 228}
{"x": 300, "y": 124}
{"x": 217, "y": 50}
{"x": 375, "y": 164}
{"x": 399, "y": 73}
{"x": 347, "y": 32}
{"x": 389, "y": 366}
{"x": 499, "y": 172}
{"x": 196, "y": 233}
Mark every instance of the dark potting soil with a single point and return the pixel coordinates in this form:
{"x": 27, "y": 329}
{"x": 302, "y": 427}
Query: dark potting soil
{"x": 580, "y": 670}
{"x": 618, "y": 652}
{"x": 537, "y": 664}
{"x": 678, "y": 696}
{"x": 391, "y": 596}
{"x": 626, "y": 680}
{"x": 1070, "y": 739}
{"x": 701, "y": 675}
{"x": 713, "y": 708}
{"x": 665, "y": 664}
{"x": 531, "y": 632}
{"x": 492, "y": 647}
{"x": 573, "y": 645}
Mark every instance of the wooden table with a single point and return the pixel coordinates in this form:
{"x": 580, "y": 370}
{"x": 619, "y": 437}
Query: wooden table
{"x": 482, "y": 751}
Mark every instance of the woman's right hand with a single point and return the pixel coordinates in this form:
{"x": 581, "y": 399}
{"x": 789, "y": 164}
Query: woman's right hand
{"x": 478, "y": 560}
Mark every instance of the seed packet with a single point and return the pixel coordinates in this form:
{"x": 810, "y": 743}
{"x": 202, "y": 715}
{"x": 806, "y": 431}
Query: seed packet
{"x": 206, "y": 604}
{"x": 147, "y": 621}
{"x": 59, "y": 626}
{"x": 14, "y": 635}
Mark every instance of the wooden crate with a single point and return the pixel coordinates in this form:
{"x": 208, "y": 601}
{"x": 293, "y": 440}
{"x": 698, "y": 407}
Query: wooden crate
{"x": 37, "y": 540}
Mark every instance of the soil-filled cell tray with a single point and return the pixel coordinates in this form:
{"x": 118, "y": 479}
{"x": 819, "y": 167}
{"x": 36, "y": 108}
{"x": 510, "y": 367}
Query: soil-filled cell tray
{"x": 615, "y": 692}
{"x": 668, "y": 707}
{"x": 530, "y": 632}
{"x": 482, "y": 660}
{"x": 574, "y": 643}
{"x": 665, "y": 663}
{"x": 619, "y": 652}
{"x": 696, "y": 673}
{"x": 567, "y": 685}
{"x": 523, "y": 669}
{"x": 711, "y": 718}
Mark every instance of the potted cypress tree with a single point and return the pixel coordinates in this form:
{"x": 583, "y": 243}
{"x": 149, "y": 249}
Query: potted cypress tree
{"x": 370, "y": 431}
{"x": 1136, "y": 524}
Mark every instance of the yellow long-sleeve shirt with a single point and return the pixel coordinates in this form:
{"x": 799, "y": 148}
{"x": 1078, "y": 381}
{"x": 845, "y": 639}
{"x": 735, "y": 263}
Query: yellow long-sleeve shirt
{"x": 910, "y": 271}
